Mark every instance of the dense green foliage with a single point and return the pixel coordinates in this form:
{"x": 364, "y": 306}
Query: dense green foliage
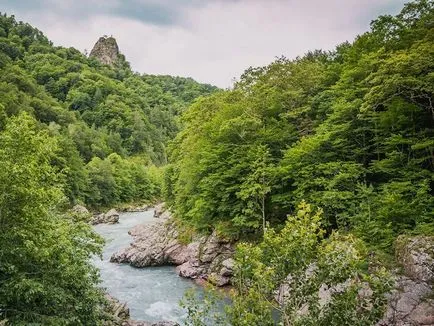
{"x": 94, "y": 111}
{"x": 350, "y": 131}
{"x": 46, "y": 277}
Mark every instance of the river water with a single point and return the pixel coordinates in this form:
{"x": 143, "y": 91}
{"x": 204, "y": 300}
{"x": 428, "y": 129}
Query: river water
{"x": 152, "y": 293}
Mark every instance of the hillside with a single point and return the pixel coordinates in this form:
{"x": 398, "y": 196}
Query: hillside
{"x": 349, "y": 131}
{"x": 94, "y": 110}
{"x": 322, "y": 169}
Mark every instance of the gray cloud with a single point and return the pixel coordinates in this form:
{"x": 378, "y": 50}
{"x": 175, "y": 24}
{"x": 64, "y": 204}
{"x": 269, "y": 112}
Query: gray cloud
{"x": 151, "y": 12}
{"x": 211, "y": 41}
{"x": 146, "y": 12}
{"x": 157, "y": 12}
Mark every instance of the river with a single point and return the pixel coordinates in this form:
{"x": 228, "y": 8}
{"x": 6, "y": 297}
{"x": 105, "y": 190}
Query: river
{"x": 152, "y": 293}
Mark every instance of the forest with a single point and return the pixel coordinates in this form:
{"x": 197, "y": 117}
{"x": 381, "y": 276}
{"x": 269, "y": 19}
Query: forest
{"x": 349, "y": 131}
{"x": 321, "y": 166}
{"x": 323, "y": 160}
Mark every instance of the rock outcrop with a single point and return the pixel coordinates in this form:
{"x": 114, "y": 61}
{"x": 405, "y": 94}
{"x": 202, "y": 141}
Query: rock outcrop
{"x": 411, "y": 303}
{"x": 106, "y": 50}
{"x": 118, "y": 311}
{"x": 156, "y": 244}
{"x": 416, "y": 255}
{"x": 79, "y": 209}
{"x": 111, "y": 217}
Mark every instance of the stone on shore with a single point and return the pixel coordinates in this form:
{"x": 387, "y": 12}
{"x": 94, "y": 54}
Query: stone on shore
{"x": 79, "y": 209}
{"x": 160, "y": 211}
{"x": 111, "y": 217}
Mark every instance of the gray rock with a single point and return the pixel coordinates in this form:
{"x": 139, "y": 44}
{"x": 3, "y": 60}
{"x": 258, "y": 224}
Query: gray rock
{"x": 140, "y": 208}
{"x": 157, "y": 244}
{"x": 228, "y": 266}
{"x": 416, "y": 255}
{"x": 80, "y": 209}
{"x": 159, "y": 209}
{"x": 218, "y": 280}
{"x": 97, "y": 219}
{"x": 111, "y": 217}
{"x": 210, "y": 248}
{"x": 116, "y": 312}
{"x": 149, "y": 247}
{"x": 118, "y": 309}
{"x": 165, "y": 215}
{"x": 411, "y": 302}
{"x": 189, "y": 270}
{"x": 106, "y": 50}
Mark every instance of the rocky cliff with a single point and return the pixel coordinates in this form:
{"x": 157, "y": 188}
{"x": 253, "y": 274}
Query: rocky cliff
{"x": 106, "y": 50}
{"x": 411, "y": 303}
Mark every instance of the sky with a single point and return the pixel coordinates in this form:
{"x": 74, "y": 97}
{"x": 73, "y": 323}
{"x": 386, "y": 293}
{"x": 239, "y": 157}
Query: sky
{"x": 212, "y": 41}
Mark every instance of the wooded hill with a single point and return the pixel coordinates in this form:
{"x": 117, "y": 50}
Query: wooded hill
{"x": 350, "y": 131}
{"x": 99, "y": 115}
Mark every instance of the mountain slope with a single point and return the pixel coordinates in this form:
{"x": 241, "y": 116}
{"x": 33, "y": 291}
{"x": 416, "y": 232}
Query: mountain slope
{"x": 96, "y": 109}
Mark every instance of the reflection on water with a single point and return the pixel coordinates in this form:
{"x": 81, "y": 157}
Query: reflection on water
{"x": 152, "y": 293}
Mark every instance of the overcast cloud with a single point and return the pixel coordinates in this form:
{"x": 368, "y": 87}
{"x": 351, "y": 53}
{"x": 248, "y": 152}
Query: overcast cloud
{"x": 212, "y": 41}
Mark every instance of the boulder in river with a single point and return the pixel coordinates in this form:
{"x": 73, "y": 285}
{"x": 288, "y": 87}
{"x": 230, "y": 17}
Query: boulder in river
{"x": 111, "y": 217}
{"x": 157, "y": 244}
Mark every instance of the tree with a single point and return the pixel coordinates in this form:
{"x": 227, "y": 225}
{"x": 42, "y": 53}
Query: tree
{"x": 46, "y": 277}
{"x": 255, "y": 188}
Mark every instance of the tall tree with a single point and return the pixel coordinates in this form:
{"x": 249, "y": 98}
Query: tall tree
{"x": 46, "y": 277}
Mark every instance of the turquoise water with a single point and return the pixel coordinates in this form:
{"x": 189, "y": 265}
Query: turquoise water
{"x": 153, "y": 293}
